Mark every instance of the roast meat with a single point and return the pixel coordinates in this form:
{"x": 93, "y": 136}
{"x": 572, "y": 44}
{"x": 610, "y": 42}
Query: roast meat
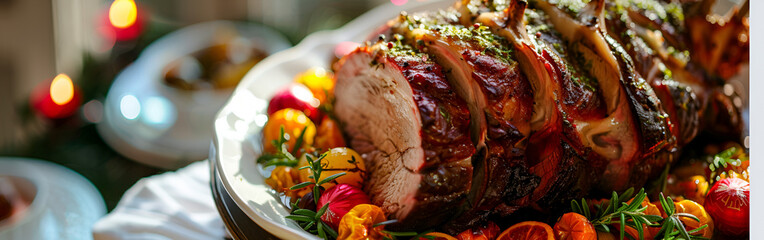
{"x": 494, "y": 106}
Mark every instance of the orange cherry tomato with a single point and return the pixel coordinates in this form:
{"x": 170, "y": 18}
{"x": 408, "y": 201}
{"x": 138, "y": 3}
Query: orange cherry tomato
{"x": 528, "y": 230}
{"x": 574, "y": 226}
{"x": 694, "y": 188}
{"x": 319, "y": 81}
{"x": 649, "y": 232}
{"x": 293, "y": 121}
{"x": 359, "y": 221}
{"x": 487, "y": 232}
{"x": 439, "y": 236}
{"x": 691, "y": 207}
{"x": 607, "y": 236}
{"x": 651, "y": 209}
{"x": 338, "y": 160}
{"x": 329, "y": 135}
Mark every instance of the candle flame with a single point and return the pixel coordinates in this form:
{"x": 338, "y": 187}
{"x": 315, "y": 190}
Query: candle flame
{"x": 123, "y": 13}
{"x": 61, "y": 89}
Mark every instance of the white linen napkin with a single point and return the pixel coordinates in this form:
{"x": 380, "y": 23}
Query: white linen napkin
{"x": 172, "y": 205}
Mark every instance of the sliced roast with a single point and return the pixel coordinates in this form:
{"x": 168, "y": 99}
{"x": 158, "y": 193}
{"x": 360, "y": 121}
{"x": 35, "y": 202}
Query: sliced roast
{"x": 412, "y": 129}
{"x": 500, "y": 97}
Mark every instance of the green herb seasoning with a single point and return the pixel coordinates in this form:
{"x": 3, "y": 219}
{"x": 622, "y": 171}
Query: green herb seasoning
{"x": 398, "y": 49}
{"x": 481, "y": 36}
{"x": 572, "y": 7}
{"x": 476, "y": 35}
{"x": 577, "y": 65}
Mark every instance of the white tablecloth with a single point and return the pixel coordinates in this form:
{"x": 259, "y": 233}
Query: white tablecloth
{"x": 173, "y": 205}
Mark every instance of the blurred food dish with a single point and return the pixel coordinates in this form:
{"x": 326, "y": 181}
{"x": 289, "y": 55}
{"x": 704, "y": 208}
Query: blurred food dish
{"x": 159, "y": 110}
{"x": 219, "y": 66}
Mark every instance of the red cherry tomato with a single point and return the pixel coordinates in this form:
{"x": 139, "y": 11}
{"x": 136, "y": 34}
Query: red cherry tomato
{"x": 341, "y": 198}
{"x": 296, "y": 96}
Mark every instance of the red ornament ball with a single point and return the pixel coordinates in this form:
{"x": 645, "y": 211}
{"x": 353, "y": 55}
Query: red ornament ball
{"x": 728, "y": 203}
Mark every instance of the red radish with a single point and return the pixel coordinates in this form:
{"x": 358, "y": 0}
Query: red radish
{"x": 728, "y": 203}
{"x": 341, "y": 198}
{"x": 296, "y": 96}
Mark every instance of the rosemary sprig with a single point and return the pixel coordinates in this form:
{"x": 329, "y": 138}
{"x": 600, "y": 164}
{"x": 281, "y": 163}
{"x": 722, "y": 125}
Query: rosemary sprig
{"x": 672, "y": 227}
{"x": 618, "y": 211}
{"x": 311, "y": 222}
{"x": 316, "y": 167}
{"x": 308, "y": 219}
{"x": 327, "y": 107}
{"x": 283, "y": 157}
{"x": 414, "y": 235}
{"x": 390, "y": 235}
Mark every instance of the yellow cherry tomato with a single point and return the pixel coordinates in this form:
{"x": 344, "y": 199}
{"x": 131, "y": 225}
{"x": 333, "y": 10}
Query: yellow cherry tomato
{"x": 329, "y": 135}
{"x": 338, "y": 160}
{"x": 282, "y": 178}
{"x": 359, "y": 221}
{"x": 293, "y": 122}
{"x": 319, "y": 81}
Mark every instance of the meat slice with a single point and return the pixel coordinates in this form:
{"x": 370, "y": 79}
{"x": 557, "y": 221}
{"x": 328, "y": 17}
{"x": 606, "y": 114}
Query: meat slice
{"x": 500, "y": 97}
{"x": 412, "y": 129}
{"x": 635, "y": 127}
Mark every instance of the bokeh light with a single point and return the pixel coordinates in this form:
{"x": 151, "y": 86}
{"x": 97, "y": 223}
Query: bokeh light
{"x": 61, "y": 89}
{"x": 123, "y": 13}
{"x": 304, "y": 94}
{"x": 158, "y": 112}
{"x": 130, "y": 107}
{"x": 92, "y": 111}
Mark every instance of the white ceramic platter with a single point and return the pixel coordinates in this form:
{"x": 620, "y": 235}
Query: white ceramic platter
{"x": 234, "y": 147}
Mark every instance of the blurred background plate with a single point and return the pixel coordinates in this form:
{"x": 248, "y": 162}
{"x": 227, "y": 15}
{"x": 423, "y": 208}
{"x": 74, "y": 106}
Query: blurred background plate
{"x": 153, "y": 123}
{"x": 60, "y": 204}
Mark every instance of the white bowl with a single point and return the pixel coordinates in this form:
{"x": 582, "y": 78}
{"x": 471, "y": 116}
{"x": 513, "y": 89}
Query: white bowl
{"x": 158, "y": 125}
{"x": 234, "y": 145}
